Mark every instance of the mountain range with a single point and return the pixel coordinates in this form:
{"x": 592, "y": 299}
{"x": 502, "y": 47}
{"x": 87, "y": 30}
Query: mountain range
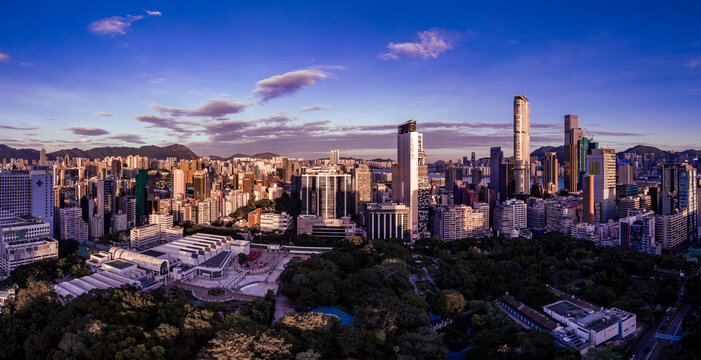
{"x": 668, "y": 156}
{"x": 183, "y": 152}
{"x": 151, "y": 151}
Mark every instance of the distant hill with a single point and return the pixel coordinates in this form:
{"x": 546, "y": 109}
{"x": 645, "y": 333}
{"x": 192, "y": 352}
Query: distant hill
{"x": 151, "y": 151}
{"x": 8, "y": 153}
{"x": 644, "y": 149}
{"x": 559, "y": 150}
{"x": 661, "y": 155}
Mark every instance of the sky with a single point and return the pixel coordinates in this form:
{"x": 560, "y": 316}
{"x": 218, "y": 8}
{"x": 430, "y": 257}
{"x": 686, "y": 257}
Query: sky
{"x": 300, "y": 78}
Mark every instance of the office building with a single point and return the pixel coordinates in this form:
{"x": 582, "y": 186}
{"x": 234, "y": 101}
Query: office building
{"x": 572, "y": 136}
{"x": 140, "y": 193}
{"x": 522, "y": 144}
{"x": 601, "y": 164}
{"x": 550, "y": 173}
{"x": 276, "y": 222}
{"x": 625, "y": 172}
{"x": 410, "y": 181}
{"x": 328, "y": 195}
{"x": 588, "y": 209}
{"x": 496, "y": 157}
{"x": 326, "y": 228}
{"x": 362, "y": 187}
{"x": 507, "y": 181}
{"x": 387, "y": 221}
{"x": 201, "y": 184}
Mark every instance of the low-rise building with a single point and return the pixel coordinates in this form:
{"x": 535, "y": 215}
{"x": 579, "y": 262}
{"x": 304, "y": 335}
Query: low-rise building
{"x": 276, "y": 222}
{"x": 24, "y": 240}
{"x": 326, "y": 228}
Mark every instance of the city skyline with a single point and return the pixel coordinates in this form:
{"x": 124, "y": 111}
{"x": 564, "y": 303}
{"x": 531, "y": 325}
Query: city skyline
{"x": 129, "y": 74}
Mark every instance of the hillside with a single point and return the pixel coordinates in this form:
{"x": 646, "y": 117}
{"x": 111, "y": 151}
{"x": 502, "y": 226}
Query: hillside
{"x": 151, "y": 151}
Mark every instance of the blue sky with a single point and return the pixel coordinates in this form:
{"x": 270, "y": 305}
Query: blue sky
{"x": 235, "y": 77}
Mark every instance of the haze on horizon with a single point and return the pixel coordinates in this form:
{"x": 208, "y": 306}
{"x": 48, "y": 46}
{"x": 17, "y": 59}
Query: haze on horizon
{"x": 299, "y": 79}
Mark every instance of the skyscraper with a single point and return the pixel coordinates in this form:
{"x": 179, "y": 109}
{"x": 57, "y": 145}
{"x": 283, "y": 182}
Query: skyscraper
{"x": 140, "y": 193}
{"x": 410, "y": 177}
{"x": 327, "y": 195}
{"x": 335, "y": 157}
{"x": 550, "y": 173}
{"x": 602, "y": 165}
{"x": 522, "y": 144}
{"x": 572, "y": 136}
{"x": 42, "y": 157}
{"x": 362, "y": 186}
{"x": 588, "y": 200}
{"x": 201, "y": 185}
{"x": 495, "y": 159}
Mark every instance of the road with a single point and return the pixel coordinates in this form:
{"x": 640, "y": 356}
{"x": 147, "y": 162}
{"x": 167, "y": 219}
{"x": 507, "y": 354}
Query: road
{"x": 648, "y": 347}
{"x": 674, "y": 328}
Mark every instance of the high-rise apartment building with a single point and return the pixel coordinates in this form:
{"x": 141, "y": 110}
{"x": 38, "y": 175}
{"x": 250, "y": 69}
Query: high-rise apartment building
{"x": 71, "y": 225}
{"x": 335, "y": 157}
{"x": 42, "y": 157}
{"x": 410, "y": 181}
{"x": 453, "y": 222}
{"x": 601, "y": 164}
{"x": 510, "y": 215}
{"x": 572, "y": 136}
{"x": 551, "y": 169}
{"x": 522, "y": 144}
{"x": 178, "y": 184}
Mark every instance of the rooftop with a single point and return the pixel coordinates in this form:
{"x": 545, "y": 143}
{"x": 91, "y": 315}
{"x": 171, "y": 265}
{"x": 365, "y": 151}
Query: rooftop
{"x": 119, "y": 264}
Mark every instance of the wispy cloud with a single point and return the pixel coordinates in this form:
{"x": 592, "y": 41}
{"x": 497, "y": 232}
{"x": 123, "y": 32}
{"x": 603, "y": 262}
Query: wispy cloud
{"x": 86, "y": 131}
{"x": 213, "y": 108}
{"x": 314, "y": 108}
{"x": 117, "y": 25}
{"x": 4, "y": 56}
{"x": 49, "y": 119}
{"x": 430, "y": 44}
{"x": 160, "y": 122}
{"x": 288, "y": 83}
{"x": 8, "y": 127}
{"x": 130, "y": 138}
{"x": 103, "y": 113}
{"x": 693, "y": 64}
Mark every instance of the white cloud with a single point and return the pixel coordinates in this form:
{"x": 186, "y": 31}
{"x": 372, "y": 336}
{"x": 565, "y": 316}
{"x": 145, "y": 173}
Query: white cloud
{"x": 103, "y": 113}
{"x": 113, "y": 25}
{"x": 431, "y": 44}
{"x": 4, "y": 56}
{"x": 153, "y": 13}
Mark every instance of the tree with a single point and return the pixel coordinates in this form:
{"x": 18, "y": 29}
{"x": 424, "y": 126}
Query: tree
{"x": 242, "y": 258}
{"x": 449, "y": 303}
{"x": 602, "y": 354}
